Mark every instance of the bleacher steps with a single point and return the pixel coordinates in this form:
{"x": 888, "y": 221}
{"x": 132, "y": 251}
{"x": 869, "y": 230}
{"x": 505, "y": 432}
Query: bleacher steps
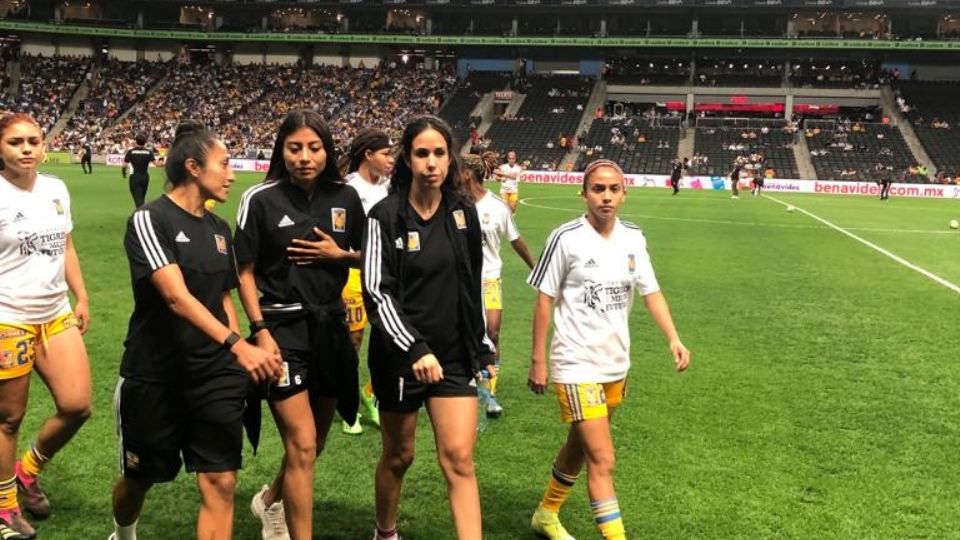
{"x": 83, "y": 90}
{"x": 598, "y": 97}
{"x": 890, "y": 109}
{"x": 685, "y": 148}
{"x": 801, "y": 153}
{"x": 515, "y": 103}
{"x": 13, "y": 71}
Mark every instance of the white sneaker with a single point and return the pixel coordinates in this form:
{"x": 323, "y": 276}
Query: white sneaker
{"x": 272, "y": 519}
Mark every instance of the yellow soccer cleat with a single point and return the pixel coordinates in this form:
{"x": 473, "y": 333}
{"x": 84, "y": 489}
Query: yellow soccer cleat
{"x": 547, "y": 524}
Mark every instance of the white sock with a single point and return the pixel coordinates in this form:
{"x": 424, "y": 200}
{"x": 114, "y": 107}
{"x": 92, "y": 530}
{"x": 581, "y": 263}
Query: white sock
{"x": 128, "y": 532}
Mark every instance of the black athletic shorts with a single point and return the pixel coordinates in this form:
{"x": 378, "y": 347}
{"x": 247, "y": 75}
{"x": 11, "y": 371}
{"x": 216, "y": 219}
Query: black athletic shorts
{"x": 310, "y": 350}
{"x": 758, "y": 181}
{"x": 403, "y": 394}
{"x": 164, "y": 425}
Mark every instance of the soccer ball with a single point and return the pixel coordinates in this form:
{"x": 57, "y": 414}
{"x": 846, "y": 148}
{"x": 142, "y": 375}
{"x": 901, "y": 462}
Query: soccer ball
{"x": 210, "y": 204}
{"x": 790, "y": 208}
{"x": 954, "y": 224}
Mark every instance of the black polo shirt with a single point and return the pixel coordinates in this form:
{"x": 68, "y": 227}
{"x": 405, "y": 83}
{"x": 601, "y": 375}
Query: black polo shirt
{"x": 271, "y": 215}
{"x": 141, "y": 158}
{"x": 160, "y": 345}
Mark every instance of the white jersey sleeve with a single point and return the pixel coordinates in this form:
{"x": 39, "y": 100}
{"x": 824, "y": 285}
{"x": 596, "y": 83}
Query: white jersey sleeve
{"x": 551, "y": 270}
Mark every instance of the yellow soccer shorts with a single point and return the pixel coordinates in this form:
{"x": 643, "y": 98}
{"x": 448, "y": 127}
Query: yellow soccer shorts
{"x": 493, "y": 293}
{"x": 586, "y": 401}
{"x": 18, "y": 343}
{"x": 510, "y": 198}
{"x": 353, "y": 302}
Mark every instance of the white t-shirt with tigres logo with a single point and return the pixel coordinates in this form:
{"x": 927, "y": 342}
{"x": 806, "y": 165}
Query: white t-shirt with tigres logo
{"x": 34, "y": 226}
{"x": 593, "y": 281}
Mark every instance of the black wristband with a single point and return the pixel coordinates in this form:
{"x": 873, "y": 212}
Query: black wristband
{"x": 231, "y": 340}
{"x": 256, "y": 326}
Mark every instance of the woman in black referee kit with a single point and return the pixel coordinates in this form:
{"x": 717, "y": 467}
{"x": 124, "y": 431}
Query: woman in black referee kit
{"x": 297, "y": 234}
{"x": 185, "y": 371}
{"x": 421, "y": 282}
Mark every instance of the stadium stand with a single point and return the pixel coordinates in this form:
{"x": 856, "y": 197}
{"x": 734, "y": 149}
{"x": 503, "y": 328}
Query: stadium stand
{"x": 933, "y": 110}
{"x": 115, "y": 88}
{"x": 846, "y": 150}
{"x": 632, "y": 143}
{"x": 763, "y": 146}
{"x": 246, "y": 104}
{"x": 456, "y": 110}
{"x": 47, "y": 84}
{"x": 548, "y": 117}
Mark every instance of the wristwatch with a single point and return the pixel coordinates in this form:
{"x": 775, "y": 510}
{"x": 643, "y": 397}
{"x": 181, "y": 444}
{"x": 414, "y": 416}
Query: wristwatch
{"x": 256, "y": 326}
{"x": 231, "y": 340}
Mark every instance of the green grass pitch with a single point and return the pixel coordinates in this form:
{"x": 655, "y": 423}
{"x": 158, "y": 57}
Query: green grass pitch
{"x": 821, "y": 401}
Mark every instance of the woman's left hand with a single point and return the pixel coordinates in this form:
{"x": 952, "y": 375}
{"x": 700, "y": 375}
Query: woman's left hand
{"x": 310, "y": 251}
{"x": 492, "y": 370}
{"x": 82, "y": 312}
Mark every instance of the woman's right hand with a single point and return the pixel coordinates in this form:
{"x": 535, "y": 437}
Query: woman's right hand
{"x": 261, "y": 364}
{"x": 428, "y": 369}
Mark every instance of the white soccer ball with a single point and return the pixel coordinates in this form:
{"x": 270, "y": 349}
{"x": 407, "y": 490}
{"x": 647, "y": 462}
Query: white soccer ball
{"x": 954, "y": 224}
{"x": 790, "y": 208}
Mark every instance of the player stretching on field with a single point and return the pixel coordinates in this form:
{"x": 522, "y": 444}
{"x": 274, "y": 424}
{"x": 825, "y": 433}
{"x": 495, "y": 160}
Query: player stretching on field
{"x": 496, "y": 223}
{"x": 587, "y": 276}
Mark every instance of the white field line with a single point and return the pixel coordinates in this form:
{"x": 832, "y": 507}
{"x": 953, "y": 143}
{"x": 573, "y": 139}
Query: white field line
{"x": 526, "y": 202}
{"x": 952, "y": 286}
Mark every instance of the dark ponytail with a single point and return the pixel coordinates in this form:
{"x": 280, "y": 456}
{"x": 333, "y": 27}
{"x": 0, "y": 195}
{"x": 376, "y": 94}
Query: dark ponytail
{"x": 192, "y": 141}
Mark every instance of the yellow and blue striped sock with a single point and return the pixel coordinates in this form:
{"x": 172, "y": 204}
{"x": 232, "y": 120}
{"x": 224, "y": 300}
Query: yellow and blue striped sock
{"x": 606, "y": 514}
{"x": 557, "y": 490}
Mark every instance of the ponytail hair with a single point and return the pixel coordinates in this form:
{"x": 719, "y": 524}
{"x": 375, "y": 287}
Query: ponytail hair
{"x": 367, "y": 139}
{"x": 192, "y": 141}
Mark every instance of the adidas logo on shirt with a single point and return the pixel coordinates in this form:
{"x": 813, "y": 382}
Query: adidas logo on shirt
{"x": 182, "y": 238}
{"x": 285, "y": 222}
{"x": 590, "y": 264}
{"x": 19, "y": 217}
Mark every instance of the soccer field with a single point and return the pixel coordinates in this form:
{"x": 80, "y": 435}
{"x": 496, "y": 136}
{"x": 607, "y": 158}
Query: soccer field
{"x": 821, "y": 401}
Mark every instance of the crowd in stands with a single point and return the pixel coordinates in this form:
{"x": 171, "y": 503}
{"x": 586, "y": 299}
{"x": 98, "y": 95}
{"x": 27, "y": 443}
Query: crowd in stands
{"x": 246, "y": 103}
{"x": 211, "y": 93}
{"x": 762, "y": 149}
{"x": 114, "y": 88}
{"x": 47, "y": 84}
{"x": 861, "y": 151}
{"x": 641, "y": 141}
